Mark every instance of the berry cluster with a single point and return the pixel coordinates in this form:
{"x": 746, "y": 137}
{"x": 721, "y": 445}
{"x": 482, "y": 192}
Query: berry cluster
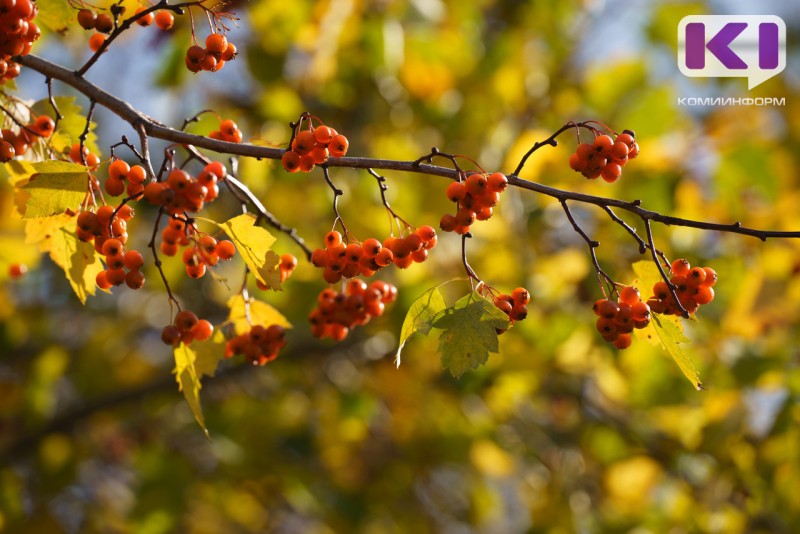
{"x": 18, "y": 34}
{"x": 693, "y": 286}
{"x": 346, "y": 261}
{"x": 182, "y": 192}
{"x": 313, "y": 147}
{"x": 118, "y": 173}
{"x": 258, "y": 346}
{"x": 83, "y": 156}
{"x": 287, "y": 266}
{"x": 186, "y": 328}
{"x": 228, "y": 131}
{"x": 117, "y": 260}
{"x": 605, "y": 157}
{"x": 14, "y": 144}
{"x": 616, "y": 320}
{"x": 476, "y": 196}
{"x": 104, "y": 23}
{"x": 211, "y": 58}
{"x": 514, "y": 305}
{"x": 336, "y": 313}
{"x": 104, "y": 225}
{"x": 205, "y": 251}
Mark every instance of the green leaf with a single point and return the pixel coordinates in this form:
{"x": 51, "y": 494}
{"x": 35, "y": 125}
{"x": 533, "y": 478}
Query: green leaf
{"x": 420, "y": 317}
{"x": 56, "y": 187}
{"x": 671, "y": 337}
{"x": 470, "y": 333}
{"x": 55, "y": 15}
{"x": 78, "y": 259}
{"x": 246, "y": 314}
{"x": 253, "y": 243}
{"x": 191, "y": 364}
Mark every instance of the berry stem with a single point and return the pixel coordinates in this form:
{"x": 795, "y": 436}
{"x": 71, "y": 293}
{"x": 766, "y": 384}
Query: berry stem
{"x": 336, "y": 194}
{"x": 157, "y": 263}
{"x": 149, "y": 127}
{"x": 470, "y": 272}
{"x": 664, "y": 276}
{"x": 592, "y": 244}
{"x": 382, "y": 184}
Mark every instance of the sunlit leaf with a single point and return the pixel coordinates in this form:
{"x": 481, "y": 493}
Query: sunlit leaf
{"x": 80, "y": 262}
{"x": 55, "y": 15}
{"x": 245, "y": 314}
{"x": 671, "y": 338}
{"x": 420, "y": 317}
{"x": 56, "y": 187}
{"x": 470, "y": 333}
{"x": 253, "y": 243}
{"x": 191, "y": 364}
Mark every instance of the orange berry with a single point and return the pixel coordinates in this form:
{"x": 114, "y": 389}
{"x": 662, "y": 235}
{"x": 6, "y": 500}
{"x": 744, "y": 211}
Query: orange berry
{"x": 164, "y": 19}
{"x": 146, "y": 20}
{"x": 681, "y": 267}
{"x": 96, "y": 41}
{"x": 629, "y": 295}
{"x": 216, "y": 43}
{"x": 291, "y": 161}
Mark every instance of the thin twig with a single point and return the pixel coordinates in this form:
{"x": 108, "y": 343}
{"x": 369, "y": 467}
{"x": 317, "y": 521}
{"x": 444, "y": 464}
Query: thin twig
{"x": 601, "y": 274}
{"x": 664, "y": 276}
{"x": 154, "y": 129}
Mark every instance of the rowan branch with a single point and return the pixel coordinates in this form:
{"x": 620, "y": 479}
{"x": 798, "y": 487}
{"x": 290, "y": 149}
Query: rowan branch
{"x": 153, "y": 128}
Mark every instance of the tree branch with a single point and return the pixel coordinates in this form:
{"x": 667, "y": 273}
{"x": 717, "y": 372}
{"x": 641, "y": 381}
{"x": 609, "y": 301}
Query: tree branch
{"x": 155, "y": 129}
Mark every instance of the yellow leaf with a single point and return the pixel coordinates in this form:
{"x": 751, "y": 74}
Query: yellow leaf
{"x": 253, "y": 243}
{"x": 42, "y": 229}
{"x": 56, "y": 187}
{"x": 79, "y": 260}
{"x": 259, "y": 313}
{"x": 191, "y": 364}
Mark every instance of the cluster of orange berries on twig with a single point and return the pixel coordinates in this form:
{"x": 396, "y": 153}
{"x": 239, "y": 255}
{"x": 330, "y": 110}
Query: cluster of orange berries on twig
{"x": 258, "y": 346}
{"x": 117, "y": 260}
{"x": 104, "y": 224}
{"x": 83, "y": 156}
{"x": 515, "y": 305}
{"x": 476, "y": 196}
{"x": 313, "y": 146}
{"x": 14, "y": 144}
{"x": 18, "y": 34}
{"x": 211, "y": 58}
{"x": 201, "y": 252}
{"x": 605, "y": 157}
{"x": 104, "y": 23}
{"x": 340, "y": 260}
{"x": 694, "y": 286}
{"x": 186, "y": 328}
{"x": 228, "y": 131}
{"x": 120, "y": 172}
{"x": 338, "y": 312}
{"x": 617, "y": 319}
{"x": 183, "y": 192}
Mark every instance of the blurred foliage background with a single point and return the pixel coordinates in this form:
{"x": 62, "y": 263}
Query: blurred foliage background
{"x": 559, "y": 432}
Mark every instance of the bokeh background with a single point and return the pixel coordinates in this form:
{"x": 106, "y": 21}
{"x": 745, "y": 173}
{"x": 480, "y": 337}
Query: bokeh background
{"x": 559, "y": 432}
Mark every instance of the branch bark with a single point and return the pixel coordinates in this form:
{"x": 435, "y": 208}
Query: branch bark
{"x": 153, "y": 128}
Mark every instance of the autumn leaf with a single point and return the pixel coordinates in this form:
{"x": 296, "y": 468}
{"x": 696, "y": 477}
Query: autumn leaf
{"x": 55, "y": 15}
{"x": 470, "y": 333}
{"x": 56, "y": 186}
{"x": 244, "y": 314}
{"x": 194, "y": 362}
{"x": 78, "y": 259}
{"x": 253, "y": 243}
{"x": 671, "y": 338}
{"x": 665, "y": 331}
{"x": 420, "y": 317}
